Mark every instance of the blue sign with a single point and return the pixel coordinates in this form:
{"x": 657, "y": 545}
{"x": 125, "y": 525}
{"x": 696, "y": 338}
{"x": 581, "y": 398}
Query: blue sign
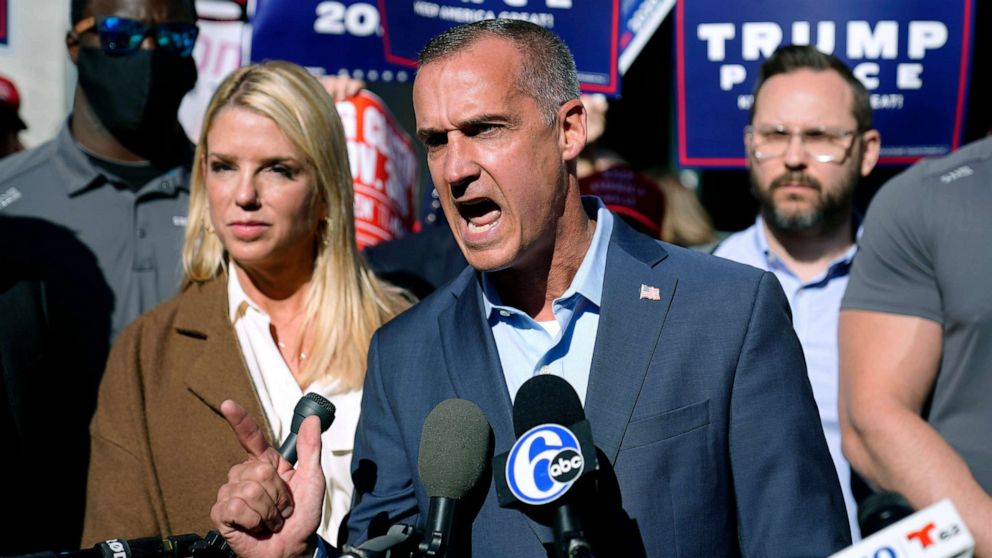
{"x": 341, "y": 36}
{"x": 588, "y": 28}
{"x": 639, "y": 19}
{"x": 912, "y": 55}
{"x": 543, "y": 464}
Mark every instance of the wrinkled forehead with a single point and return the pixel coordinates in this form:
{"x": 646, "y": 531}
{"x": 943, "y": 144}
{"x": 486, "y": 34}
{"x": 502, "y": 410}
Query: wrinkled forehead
{"x": 151, "y": 11}
{"x": 805, "y": 97}
{"x": 489, "y": 65}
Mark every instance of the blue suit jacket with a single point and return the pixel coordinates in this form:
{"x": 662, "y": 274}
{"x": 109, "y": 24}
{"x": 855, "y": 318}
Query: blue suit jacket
{"x": 700, "y": 403}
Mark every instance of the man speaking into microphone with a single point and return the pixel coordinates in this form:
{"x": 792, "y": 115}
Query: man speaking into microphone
{"x": 690, "y": 374}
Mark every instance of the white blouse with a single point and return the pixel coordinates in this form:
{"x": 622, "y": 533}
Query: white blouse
{"x": 278, "y": 392}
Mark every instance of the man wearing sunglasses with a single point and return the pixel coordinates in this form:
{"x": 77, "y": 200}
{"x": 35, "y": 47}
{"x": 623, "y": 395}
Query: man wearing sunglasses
{"x": 93, "y": 222}
{"x": 809, "y": 141}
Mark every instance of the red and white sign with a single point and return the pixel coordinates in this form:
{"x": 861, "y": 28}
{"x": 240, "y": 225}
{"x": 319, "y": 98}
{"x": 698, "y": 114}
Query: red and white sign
{"x": 384, "y": 169}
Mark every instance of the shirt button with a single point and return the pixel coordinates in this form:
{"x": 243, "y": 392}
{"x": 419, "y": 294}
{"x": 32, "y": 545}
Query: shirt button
{"x": 141, "y": 233}
{"x": 544, "y": 369}
{"x": 504, "y": 313}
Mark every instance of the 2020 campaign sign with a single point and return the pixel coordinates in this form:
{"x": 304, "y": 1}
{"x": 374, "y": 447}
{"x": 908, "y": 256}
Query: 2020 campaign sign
{"x": 588, "y": 28}
{"x": 339, "y": 36}
{"x": 912, "y": 55}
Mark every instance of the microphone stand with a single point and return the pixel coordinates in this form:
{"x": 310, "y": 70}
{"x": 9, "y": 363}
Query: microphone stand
{"x": 571, "y": 541}
{"x": 400, "y": 541}
{"x": 175, "y": 546}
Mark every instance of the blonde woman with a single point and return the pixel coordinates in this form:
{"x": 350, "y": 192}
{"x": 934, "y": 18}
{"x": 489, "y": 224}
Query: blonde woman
{"x": 276, "y": 302}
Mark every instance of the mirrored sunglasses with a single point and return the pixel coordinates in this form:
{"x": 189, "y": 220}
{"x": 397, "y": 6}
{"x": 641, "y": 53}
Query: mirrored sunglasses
{"x": 120, "y": 36}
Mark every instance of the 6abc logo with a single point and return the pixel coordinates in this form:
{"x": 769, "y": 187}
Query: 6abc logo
{"x": 543, "y": 464}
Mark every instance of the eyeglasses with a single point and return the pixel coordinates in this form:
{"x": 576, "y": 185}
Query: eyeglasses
{"x": 120, "y": 35}
{"x": 824, "y": 145}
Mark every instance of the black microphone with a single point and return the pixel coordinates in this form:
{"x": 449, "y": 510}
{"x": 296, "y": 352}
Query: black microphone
{"x": 214, "y": 544}
{"x": 455, "y": 448}
{"x": 881, "y": 509}
{"x": 553, "y": 451}
{"x": 309, "y": 405}
{"x": 176, "y": 546}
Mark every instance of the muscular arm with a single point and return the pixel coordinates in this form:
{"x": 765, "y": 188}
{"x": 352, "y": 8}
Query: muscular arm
{"x": 888, "y": 366}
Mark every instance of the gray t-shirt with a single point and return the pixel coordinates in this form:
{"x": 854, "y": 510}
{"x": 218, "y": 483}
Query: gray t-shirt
{"x": 926, "y": 252}
{"x": 133, "y": 231}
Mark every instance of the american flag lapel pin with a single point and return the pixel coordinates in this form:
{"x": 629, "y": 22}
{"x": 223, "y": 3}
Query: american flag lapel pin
{"x": 650, "y": 293}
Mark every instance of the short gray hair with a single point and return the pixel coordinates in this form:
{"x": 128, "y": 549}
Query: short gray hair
{"x": 547, "y": 72}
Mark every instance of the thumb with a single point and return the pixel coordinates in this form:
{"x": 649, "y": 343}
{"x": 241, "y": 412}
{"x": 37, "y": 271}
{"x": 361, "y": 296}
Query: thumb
{"x": 308, "y": 446}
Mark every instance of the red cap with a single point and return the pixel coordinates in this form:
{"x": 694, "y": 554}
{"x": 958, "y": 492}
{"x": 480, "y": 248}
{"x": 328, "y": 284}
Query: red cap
{"x": 10, "y": 102}
{"x": 631, "y": 195}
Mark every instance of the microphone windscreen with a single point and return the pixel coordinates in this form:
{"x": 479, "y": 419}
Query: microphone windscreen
{"x": 313, "y": 404}
{"x": 455, "y": 447}
{"x": 546, "y": 399}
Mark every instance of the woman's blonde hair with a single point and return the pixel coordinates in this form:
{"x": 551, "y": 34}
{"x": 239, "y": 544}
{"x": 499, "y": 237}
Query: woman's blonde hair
{"x": 346, "y": 303}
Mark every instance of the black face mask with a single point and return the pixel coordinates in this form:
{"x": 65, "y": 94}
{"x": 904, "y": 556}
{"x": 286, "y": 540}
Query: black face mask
{"x": 137, "y": 96}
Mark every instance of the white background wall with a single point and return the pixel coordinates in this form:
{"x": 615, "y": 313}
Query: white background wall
{"x": 35, "y": 58}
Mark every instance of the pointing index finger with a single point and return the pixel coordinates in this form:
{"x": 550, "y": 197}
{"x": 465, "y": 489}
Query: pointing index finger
{"x": 245, "y": 428}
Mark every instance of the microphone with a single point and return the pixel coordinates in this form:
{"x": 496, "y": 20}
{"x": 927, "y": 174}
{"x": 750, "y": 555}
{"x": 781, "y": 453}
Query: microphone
{"x": 214, "y": 545}
{"x": 933, "y": 532}
{"x": 554, "y": 449}
{"x": 455, "y": 447}
{"x": 176, "y": 546}
{"x": 308, "y": 405}
{"x": 881, "y": 509}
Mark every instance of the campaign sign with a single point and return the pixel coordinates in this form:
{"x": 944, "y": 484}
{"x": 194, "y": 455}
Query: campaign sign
{"x": 588, "y": 28}
{"x": 383, "y": 166}
{"x": 639, "y": 19}
{"x": 912, "y": 55}
{"x": 339, "y": 36}
{"x": 217, "y": 53}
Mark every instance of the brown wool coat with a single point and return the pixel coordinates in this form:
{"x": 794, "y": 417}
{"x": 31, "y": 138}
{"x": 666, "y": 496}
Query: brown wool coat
{"x": 160, "y": 447}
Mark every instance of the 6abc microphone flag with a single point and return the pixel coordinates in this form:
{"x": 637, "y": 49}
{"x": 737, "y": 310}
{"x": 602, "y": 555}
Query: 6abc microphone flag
{"x": 552, "y": 453}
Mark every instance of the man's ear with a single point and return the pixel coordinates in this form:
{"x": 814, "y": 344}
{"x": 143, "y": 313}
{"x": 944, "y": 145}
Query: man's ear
{"x": 572, "y": 129}
{"x": 72, "y": 46}
{"x": 871, "y": 149}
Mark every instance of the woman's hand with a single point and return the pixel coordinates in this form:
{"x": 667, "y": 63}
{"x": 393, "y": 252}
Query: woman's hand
{"x": 267, "y": 509}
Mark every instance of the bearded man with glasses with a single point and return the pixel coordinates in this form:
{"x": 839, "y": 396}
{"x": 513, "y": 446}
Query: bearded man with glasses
{"x": 809, "y": 141}
{"x": 92, "y": 223}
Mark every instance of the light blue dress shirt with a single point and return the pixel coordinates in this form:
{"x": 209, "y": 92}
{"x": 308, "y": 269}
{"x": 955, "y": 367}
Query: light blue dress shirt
{"x": 815, "y": 308}
{"x": 526, "y": 348}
